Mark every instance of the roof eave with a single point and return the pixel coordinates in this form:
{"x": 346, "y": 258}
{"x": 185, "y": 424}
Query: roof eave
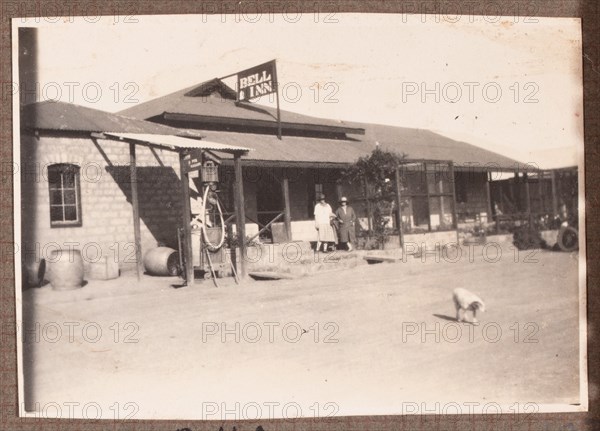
{"x": 203, "y": 119}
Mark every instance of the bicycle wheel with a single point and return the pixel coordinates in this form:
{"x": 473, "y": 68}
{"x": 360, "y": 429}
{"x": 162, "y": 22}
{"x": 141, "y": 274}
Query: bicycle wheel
{"x": 213, "y": 215}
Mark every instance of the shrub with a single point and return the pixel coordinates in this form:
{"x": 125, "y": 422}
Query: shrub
{"x": 379, "y": 171}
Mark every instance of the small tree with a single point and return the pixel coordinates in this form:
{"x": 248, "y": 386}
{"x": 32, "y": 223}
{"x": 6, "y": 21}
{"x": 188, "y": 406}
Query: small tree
{"x": 379, "y": 171}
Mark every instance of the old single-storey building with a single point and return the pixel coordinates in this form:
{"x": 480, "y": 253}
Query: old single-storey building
{"x": 77, "y": 184}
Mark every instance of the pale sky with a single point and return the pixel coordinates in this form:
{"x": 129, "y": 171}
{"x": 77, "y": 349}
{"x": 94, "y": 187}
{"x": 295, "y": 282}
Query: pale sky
{"x": 510, "y": 86}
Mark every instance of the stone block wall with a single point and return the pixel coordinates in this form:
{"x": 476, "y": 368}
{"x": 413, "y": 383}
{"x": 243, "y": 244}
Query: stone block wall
{"x": 106, "y": 210}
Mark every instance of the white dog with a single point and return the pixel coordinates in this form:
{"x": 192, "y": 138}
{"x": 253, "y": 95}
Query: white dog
{"x": 464, "y": 301}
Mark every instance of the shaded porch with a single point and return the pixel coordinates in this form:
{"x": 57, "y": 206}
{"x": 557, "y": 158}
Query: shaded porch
{"x": 192, "y": 154}
{"x": 435, "y": 196}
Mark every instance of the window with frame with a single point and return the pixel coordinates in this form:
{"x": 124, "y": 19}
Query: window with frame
{"x": 65, "y": 196}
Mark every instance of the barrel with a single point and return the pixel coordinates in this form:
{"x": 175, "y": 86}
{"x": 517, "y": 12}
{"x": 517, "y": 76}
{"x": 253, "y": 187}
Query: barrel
{"x": 65, "y": 269}
{"x": 162, "y": 261}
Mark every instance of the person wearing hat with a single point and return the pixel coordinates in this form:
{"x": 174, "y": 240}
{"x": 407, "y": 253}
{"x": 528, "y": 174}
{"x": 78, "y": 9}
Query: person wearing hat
{"x": 346, "y": 218}
{"x": 323, "y": 217}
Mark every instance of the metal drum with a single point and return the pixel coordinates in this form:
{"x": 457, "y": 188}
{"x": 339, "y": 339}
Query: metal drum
{"x": 162, "y": 261}
{"x": 65, "y": 268}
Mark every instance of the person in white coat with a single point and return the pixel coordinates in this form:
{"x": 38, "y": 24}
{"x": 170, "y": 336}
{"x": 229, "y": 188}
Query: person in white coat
{"x": 323, "y": 217}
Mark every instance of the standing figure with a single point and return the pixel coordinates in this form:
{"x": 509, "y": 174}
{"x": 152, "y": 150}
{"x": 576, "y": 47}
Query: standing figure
{"x": 346, "y": 218}
{"x": 323, "y": 217}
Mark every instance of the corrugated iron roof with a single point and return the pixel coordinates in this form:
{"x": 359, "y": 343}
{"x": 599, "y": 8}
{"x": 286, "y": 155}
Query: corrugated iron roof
{"x": 61, "y": 116}
{"x": 292, "y": 149}
{"x": 174, "y": 142}
{"x": 209, "y": 101}
{"x": 212, "y": 99}
{"x": 415, "y": 143}
{"x": 425, "y": 144}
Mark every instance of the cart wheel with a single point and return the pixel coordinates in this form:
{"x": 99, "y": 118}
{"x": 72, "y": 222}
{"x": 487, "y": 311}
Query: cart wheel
{"x": 207, "y": 275}
{"x": 568, "y": 239}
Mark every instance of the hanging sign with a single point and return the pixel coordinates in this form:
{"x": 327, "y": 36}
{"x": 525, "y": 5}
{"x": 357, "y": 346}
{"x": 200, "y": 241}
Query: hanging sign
{"x": 257, "y": 81}
{"x": 192, "y": 161}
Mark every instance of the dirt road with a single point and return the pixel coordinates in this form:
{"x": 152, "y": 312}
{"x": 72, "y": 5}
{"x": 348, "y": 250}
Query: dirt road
{"x": 374, "y": 339}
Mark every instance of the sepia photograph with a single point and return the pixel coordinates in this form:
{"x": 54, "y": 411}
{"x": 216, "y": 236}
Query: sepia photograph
{"x": 252, "y": 216}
